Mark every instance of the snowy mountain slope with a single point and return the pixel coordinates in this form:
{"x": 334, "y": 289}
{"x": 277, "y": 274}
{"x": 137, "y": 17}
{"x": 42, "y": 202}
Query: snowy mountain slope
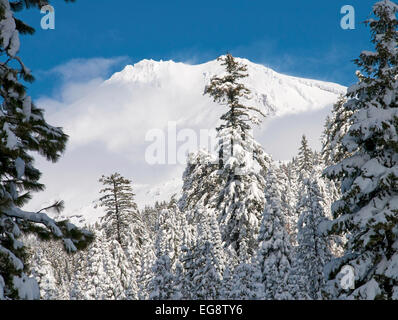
{"x": 108, "y": 123}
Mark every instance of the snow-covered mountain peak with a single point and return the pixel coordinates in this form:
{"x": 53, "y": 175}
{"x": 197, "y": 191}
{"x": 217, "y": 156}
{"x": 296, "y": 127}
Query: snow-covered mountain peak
{"x": 276, "y": 94}
{"x": 144, "y": 72}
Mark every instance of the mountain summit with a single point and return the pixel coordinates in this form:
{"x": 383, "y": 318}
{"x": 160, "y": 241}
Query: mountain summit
{"x": 276, "y": 93}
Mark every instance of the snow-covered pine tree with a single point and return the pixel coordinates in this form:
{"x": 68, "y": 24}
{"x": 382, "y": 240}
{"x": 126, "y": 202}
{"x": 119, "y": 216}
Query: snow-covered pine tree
{"x": 145, "y": 274}
{"x": 170, "y": 234}
{"x": 133, "y": 254}
{"x": 92, "y": 280}
{"x": 123, "y": 282}
{"x": 298, "y": 288}
{"x": 203, "y": 281}
{"x": 103, "y": 272}
{"x": 287, "y": 184}
{"x": 246, "y": 282}
{"x": 314, "y": 249}
{"x": 23, "y": 131}
{"x": 209, "y": 230}
{"x": 203, "y": 259}
{"x": 305, "y": 157}
{"x": 368, "y": 208}
{"x": 77, "y": 282}
{"x": 240, "y": 201}
{"x": 45, "y": 276}
{"x": 274, "y": 253}
{"x": 333, "y": 150}
{"x": 162, "y": 283}
{"x": 185, "y": 271}
{"x": 162, "y": 286}
{"x": 52, "y": 267}
{"x": 335, "y": 128}
{"x": 123, "y": 223}
{"x": 199, "y": 184}
{"x": 226, "y": 284}
{"x": 150, "y": 216}
{"x": 122, "y": 216}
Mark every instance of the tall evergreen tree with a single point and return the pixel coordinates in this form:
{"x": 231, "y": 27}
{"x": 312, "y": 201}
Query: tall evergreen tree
{"x": 202, "y": 278}
{"x": 314, "y": 249}
{"x": 240, "y": 201}
{"x": 44, "y": 273}
{"x": 123, "y": 277}
{"x": 169, "y": 234}
{"x": 335, "y": 128}
{"x": 305, "y": 157}
{"x": 287, "y": 182}
{"x": 274, "y": 254}
{"x": 165, "y": 282}
{"x": 162, "y": 285}
{"x": 23, "y": 131}
{"x": 52, "y": 267}
{"x": 95, "y": 278}
{"x": 103, "y": 272}
{"x": 122, "y": 215}
{"x": 145, "y": 274}
{"x": 246, "y": 282}
{"x": 199, "y": 184}
{"x": 368, "y": 207}
{"x": 203, "y": 260}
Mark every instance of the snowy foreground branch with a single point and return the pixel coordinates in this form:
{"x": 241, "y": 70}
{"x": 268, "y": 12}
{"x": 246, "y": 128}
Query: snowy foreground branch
{"x": 24, "y": 132}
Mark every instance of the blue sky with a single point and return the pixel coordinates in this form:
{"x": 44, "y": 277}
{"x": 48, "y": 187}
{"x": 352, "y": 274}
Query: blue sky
{"x": 301, "y": 38}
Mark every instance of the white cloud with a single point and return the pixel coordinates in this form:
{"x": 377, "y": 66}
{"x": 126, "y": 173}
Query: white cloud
{"x": 81, "y": 70}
